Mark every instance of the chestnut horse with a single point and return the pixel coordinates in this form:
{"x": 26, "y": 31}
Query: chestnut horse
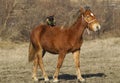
{"x": 60, "y": 41}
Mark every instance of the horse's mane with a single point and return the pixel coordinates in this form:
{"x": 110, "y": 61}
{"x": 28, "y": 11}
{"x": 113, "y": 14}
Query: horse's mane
{"x": 73, "y": 17}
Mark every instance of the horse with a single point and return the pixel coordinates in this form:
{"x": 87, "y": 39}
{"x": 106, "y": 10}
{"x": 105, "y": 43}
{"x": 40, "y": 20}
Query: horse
{"x": 60, "y": 41}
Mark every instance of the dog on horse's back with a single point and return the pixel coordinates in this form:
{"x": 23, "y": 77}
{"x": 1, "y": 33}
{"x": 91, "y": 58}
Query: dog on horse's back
{"x": 60, "y": 41}
{"x": 50, "y": 20}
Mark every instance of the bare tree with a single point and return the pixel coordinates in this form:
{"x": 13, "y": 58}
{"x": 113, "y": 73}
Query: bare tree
{"x": 10, "y": 10}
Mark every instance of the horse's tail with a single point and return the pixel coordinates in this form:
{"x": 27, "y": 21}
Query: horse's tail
{"x": 31, "y": 55}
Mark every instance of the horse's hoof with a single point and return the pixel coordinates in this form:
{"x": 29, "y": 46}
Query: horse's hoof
{"x": 81, "y": 80}
{"x": 46, "y": 79}
{"x": 35, "y": 79}
{"x": 56, "y": 80}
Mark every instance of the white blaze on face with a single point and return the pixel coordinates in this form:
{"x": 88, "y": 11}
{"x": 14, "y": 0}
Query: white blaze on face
{"x": 91, "y": 14}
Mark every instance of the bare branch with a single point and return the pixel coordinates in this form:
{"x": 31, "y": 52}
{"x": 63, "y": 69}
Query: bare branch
{"x": 8, "y": 15}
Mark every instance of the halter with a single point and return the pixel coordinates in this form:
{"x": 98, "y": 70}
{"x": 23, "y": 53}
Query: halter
{"x": 89, "y": 21}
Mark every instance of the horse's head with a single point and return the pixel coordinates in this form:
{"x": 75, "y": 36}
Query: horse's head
{"x": 90, "y": 19}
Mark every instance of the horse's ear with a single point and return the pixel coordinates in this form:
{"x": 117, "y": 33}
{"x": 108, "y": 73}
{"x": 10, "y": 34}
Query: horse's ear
{"x": 82, "y": 10}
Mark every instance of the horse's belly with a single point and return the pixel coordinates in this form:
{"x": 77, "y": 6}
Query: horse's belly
{"x": 50, "y": 48}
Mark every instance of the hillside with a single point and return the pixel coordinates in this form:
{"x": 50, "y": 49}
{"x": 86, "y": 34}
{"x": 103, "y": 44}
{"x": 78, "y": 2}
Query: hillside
{"x": 18, "y": 17}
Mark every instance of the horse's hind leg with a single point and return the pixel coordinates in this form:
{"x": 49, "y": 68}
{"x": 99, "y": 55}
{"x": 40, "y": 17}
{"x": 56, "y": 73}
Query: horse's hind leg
{"x": 40, "y": 61}
{"x": 35, "y": 66}
{"x": 76, "y": 55}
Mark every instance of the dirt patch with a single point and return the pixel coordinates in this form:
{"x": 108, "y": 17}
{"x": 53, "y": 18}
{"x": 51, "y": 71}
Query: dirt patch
{"x": 99, "y": 63}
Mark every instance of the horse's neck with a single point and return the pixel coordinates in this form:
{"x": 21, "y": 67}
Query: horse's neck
{"x": 79, "y": 27}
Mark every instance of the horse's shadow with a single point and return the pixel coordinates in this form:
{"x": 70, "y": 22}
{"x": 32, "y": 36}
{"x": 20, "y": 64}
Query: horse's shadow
{"x": 72, "y": 77}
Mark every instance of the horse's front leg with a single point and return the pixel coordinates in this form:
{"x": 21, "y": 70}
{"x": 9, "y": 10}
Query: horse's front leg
{"x": 76, "y": 55}
{"x": 59, "y": 64}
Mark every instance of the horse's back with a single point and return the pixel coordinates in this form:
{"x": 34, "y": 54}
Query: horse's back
{"x": 51, "y": 38}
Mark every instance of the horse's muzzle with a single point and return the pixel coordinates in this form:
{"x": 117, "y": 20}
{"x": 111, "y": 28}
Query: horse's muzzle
{"x": 96, "y": 27}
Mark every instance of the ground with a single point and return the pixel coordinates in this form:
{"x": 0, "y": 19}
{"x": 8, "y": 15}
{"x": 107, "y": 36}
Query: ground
{"x": 100, "y": 63}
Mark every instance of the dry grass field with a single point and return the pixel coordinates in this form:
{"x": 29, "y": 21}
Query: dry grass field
{"x": 100, "y": 63}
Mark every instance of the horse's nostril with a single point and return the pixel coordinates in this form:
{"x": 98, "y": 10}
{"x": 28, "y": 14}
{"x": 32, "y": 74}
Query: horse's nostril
{"x": 98, "y": 27}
